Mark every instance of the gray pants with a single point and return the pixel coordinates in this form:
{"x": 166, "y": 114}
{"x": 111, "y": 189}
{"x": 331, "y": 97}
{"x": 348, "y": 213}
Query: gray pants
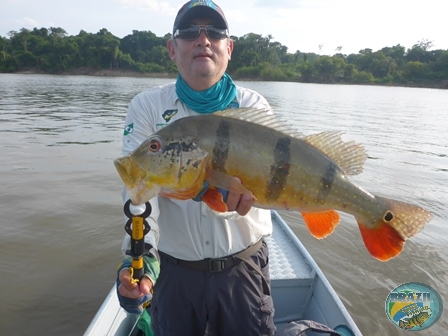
{"x": 231, "y": 302}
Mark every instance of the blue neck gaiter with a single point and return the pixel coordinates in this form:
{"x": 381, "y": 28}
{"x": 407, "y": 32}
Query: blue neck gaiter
{"x": 216, "y": 98}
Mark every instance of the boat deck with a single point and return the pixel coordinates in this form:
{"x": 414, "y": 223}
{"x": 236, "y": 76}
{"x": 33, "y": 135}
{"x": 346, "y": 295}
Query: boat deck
{"x": 299, "y": 288}
{"x": 292, "y": 277}
{"x": 284, "y": 261}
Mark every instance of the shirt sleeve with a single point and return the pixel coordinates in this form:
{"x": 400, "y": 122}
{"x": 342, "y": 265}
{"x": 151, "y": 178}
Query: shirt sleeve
{"x": 139, "y": 124}
{"x": 250, "y": 98}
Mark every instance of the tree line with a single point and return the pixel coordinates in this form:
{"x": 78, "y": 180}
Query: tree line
{"x": 254, "y": 57}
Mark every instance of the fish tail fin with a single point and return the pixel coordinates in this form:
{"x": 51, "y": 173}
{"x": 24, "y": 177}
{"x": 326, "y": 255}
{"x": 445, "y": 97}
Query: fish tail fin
{"x": 386, "y": 237}
{"x": 321, "y": 224}
{"x": 382, "y": 242}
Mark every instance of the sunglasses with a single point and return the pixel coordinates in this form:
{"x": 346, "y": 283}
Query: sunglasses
{"x": 193, "y": 32}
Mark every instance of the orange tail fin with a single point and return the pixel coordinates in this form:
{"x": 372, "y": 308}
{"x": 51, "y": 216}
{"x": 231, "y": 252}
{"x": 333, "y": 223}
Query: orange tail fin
{"x": 385, "y": 238}
{"x": 321, "y": 224}
{"x": 383, "y": 242}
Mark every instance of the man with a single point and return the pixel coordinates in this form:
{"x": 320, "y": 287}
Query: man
{"x": 214, "y": 276}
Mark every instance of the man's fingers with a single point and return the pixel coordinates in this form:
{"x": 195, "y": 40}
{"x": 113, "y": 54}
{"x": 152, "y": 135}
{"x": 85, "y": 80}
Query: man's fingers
{"x": 244, "y": 205}
{"x": 239, "y": 202}
{"x": 233, "y": 199}
{"x": 145, "y": 285}
{"x": 133, "y": 290}
{"x": 126, "y": 288}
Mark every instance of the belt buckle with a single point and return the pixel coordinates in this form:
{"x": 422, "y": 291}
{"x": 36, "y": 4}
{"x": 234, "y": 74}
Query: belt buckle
{"x": 217, "y": 265}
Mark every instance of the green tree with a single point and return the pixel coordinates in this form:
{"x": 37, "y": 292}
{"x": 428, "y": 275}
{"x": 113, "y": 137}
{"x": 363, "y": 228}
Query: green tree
{"x": 100, "y": 50}
{"x": 19, "y": 40}
{"x": 329, "y": 69}
{"x": 255, "y": 56}
{"x": 307, "y": 71}
{"x": 7, "y": 62}
{"x": 439, "y": 67}
{"x": 397, "y": 53}
{"x": 415, "y": 71}
{"x": 140, "y": 44}
{"x": 362, "y": 61}
{"x": 420, "y": 51}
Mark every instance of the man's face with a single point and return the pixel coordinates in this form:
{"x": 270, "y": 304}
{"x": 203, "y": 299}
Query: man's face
{"x": 201, "y": 62}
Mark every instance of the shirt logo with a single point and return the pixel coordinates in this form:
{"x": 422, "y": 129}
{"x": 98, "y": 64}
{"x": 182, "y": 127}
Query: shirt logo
{"x": 128, "y": 129}
{"x": 168, "y": 114}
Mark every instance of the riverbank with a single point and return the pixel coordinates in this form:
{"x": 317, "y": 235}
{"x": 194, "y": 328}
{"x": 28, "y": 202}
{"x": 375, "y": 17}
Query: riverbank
{"x": 102, "y": 72}
{"x": 128, "y": 73}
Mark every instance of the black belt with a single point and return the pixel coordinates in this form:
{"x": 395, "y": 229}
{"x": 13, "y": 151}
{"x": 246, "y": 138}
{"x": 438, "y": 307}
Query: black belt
{"x": 213, "y": 265}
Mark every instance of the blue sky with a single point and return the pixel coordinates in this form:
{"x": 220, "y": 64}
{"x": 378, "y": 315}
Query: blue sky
{"x": 298, "y": 24}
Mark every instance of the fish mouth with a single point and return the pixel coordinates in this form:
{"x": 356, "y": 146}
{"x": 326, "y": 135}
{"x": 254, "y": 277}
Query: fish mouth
{"x": 124, "y": 167}
{"x": 139, "y": 189}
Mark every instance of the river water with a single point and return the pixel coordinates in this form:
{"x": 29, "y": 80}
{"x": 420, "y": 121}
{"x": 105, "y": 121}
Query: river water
{"x": 61, "y": 212}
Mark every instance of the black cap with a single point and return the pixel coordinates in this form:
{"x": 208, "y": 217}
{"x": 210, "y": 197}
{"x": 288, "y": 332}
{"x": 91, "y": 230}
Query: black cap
{"x": 194, "y": 9}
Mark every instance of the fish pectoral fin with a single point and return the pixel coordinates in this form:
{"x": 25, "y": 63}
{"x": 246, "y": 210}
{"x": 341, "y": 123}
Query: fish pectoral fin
{"x": 383, "y": 242}
{"x": 321, "y": 224}
{"x": 227, "y": 182}
{"x": 213, "y": 198}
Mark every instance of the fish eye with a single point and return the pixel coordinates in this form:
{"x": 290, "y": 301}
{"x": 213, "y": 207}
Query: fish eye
{"x": 154, "y": 146}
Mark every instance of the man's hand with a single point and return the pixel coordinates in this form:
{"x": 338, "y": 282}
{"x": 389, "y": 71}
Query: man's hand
{"x": 239, "y": 202}
{"x": 133, "y": 290}
{"x": 135, "y": 296}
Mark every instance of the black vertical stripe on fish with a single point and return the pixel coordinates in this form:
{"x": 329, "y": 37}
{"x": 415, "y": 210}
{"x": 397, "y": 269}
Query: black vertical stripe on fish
{"x": 326, "y": 182}
{"x": 279, "y": 169}
{"x": 221, "y": 148}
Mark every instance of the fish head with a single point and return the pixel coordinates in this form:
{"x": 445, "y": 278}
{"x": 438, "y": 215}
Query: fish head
{"x": 172, "y": 167}
{"x": 139, "y": 188}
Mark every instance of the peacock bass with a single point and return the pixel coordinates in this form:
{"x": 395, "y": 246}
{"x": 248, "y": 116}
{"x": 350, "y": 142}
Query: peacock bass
{"x": 278, "y": 166}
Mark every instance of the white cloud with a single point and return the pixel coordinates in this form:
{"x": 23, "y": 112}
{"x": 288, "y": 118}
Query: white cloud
{"x": 28, "y": 22}
{"x": 161, "y": 7}
{"x": 289, "y": 3}
{"x": 235, "y": 15}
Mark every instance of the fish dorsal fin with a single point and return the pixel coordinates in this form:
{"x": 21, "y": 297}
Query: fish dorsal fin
{"x": 262, "y": 117}
{"x": 349, "y": 156}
